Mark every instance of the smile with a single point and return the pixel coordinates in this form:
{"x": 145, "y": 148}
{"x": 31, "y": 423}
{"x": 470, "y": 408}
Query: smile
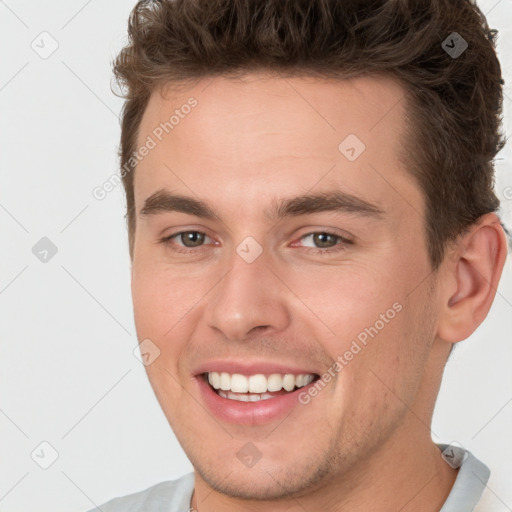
{"x": 252, "y": 392}
{"x": 252, "y": 388}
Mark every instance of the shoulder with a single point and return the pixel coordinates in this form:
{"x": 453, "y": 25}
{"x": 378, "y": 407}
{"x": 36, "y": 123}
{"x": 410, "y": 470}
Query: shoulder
{"x": 169, "y": 496}
{"x": 498, "y": 492}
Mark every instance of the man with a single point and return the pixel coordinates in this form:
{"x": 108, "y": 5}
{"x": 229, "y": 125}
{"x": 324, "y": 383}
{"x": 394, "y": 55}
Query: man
{"x": 312, "y": 229}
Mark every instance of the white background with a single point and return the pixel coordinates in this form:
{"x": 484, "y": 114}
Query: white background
{"x": 67, "y": 372}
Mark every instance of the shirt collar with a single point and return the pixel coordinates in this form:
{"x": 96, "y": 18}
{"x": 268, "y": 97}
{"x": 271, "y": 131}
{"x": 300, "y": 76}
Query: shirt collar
{"x": 470, "y": 482}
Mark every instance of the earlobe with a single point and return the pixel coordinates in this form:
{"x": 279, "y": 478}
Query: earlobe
{"x": 475, "y": 269}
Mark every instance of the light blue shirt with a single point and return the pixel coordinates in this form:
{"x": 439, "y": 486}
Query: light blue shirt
{"x": 175, "y": 495}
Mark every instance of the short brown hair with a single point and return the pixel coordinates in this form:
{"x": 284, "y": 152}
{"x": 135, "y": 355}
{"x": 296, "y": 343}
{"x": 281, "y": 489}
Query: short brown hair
{"x": 454, "y": 101}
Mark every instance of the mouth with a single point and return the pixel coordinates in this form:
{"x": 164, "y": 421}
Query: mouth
{"x": 256, "y": 387}
{"x": 254, "y": 393}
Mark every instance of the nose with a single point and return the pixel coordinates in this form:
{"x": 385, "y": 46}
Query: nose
{"x": 249, "y": 299}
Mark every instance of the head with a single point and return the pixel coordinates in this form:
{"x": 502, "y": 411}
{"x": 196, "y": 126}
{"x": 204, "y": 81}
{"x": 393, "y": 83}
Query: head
{"x": 333, "y": 173}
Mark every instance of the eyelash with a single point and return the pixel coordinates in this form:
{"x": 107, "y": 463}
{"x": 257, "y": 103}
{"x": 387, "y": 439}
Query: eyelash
{"x": 337, "y": 248}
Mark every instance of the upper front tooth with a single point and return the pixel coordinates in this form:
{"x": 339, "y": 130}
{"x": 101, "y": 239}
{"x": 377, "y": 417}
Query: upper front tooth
{"x": 238, "y": 383}
{"x": 257, "y": 383}
{"x": 225, "y": 381}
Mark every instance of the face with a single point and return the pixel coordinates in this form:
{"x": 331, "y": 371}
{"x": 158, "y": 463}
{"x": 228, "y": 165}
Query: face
{"x": 278, "y": 235}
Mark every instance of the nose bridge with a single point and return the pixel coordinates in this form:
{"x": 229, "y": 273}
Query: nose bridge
{"x": 248, "y": 295}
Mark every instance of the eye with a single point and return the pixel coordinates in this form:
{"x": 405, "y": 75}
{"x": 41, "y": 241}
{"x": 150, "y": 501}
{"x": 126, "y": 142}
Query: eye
{"x": 189, "y": 240}
{"x": 326, "y": 242}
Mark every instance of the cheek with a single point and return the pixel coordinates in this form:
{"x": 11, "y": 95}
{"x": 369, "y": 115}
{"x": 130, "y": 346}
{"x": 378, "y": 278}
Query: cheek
{"x": 148, "y": 306}
{"x": 371, "y": 324}
{"x": 343, "y": 300}
{"x": 385, "y": 374}
{"x": 158, "y": 308}
{"x": 162, "y": 304}
{"x": 161, "y": 298}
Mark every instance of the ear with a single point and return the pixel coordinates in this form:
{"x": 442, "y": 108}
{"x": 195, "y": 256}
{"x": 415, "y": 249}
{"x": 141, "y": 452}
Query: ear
{"x": 472, "y": 272}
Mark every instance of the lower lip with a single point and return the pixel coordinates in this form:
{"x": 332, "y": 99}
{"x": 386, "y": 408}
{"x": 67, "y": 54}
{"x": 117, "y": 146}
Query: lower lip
{"x": 249, "y": 413}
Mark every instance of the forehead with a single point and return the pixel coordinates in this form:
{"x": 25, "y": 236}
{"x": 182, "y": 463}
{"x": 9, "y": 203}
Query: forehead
{"x": 234, "y": 138}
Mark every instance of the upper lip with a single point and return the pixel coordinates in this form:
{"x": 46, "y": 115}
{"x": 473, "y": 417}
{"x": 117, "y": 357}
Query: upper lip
{"x": 250, "y": 368}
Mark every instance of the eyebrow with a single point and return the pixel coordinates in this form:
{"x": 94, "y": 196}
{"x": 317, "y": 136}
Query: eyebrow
{"x": 333, "y": 201}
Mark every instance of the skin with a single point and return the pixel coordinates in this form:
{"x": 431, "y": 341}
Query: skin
{"x": 364, "y": 442}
